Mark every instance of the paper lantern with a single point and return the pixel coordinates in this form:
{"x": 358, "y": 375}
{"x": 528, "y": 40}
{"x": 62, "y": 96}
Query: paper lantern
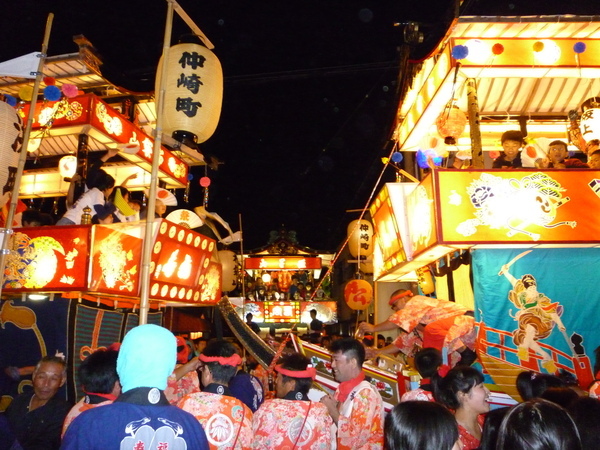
{"x": 589, "y": 124}
{"x": 67, "y": 166}
{"x": 451, "y": 123}
{"x": 360, "y": 238}
{"x": 579, "y": 47}
{"x": 460, "y": 52}
{"x": 497, "y": 49}
{"x": 425, "y": 280}
{"x": 358, "y": 294}
{"x": 193, "y": 91}
{"x": 11, "y": 143}
{"x": 229, "y": 266}
{"x": 479, "y": 51}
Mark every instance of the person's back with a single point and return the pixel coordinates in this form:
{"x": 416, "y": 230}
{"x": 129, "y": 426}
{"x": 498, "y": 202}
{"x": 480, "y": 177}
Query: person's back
{"x": 141, "y": 417}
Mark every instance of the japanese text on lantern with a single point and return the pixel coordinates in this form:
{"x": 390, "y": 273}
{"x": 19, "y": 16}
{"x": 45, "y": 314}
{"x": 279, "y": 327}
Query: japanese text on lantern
{"x": 191, "y": 82}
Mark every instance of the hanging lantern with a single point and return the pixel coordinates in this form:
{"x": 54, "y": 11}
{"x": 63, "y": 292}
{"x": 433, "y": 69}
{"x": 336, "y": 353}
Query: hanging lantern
{"x": 451, "y": 123}
{"x": 589, "y": 124}
{"x": 360, "y": 238}
{"x": 358, "y": 294}
{"x": 11, "y": 143}
{"x": 229, "y": 265}
{"x": 193, "y": 91}
{"x": 425, "y": 280}
{"x": 67, "y": 166}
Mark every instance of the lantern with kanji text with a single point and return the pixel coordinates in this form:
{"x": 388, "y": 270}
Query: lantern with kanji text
{"x": 360, "y": 238}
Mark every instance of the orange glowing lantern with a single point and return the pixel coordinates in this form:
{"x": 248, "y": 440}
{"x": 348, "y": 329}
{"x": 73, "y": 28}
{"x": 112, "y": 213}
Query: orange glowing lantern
{"x": 11, "y": 141}
{"x": 358, "y": 294}
{"x": 193, "y": 91}
{"x": 229, "y": 264}
{"x": 360, "y": 238}
{"x": 451, "y": 123}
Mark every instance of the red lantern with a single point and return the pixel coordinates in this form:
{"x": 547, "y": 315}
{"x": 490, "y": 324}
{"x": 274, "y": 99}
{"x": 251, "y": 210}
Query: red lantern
{"x": 358, "y": 294}
{"x": 451, "y": 123}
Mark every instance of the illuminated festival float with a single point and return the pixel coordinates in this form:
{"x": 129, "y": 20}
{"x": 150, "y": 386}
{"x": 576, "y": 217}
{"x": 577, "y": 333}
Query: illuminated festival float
{"x": 517, "y": 246}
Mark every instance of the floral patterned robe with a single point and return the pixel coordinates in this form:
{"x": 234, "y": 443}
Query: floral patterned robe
{"x": 360, "y": 421}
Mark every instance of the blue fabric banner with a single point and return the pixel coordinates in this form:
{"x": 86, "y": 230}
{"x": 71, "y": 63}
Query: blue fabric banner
{"x": 535, "y": 310}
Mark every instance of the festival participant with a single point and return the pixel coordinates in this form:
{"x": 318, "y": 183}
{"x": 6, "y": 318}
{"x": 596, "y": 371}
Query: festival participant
{"x": 36, "y": 417}
{"x": 184, "y": 379}
{"x": 491, "y": 428}
{"x": 99, "y": 191}
{"x": 246, "y": 387}
{"x": 427, "y": 362}
{"x": 416, "y": 425}
{"x": 446, "y": 324}
{"x": 461, "y": 389}
{"x": 316, "y": 326}
{"x": 253, "y": 325}
{"x": 558, "y": 158}
{"x": 585, "y": 412}
{"x": 538, "y": 424}
{"x": 510, "y": 156}
{"x": 356, "y": 407}
{"x": 225, "y": 419}
{"x": 532, "y": 384}
{"x": 594, "y": 160}
{"x": 141, "y": 415}
{"x": 292, "y": 420}
{"x": 100, "y": 382}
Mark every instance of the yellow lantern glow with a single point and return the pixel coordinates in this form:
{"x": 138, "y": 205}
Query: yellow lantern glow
{"x": 360, "y": 240}
{"x": 546, "y": 51}
{"x": 193, "y": 91}
{"x": 11, "y": 136}
{"x": 67, "y": 166}
{"x": 425, "y": 280}
{"x": 228, "y": 263}
{"x": 480, "y": 52}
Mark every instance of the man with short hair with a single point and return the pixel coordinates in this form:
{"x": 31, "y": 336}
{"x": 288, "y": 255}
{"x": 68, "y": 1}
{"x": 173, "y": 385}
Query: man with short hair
{"x": 98, "y": 376}
{"x": 36, "y": 417}
{"x": 356, "y": 407}
{"x": 253, "y": 325}
{"x": 141, "y": 417}
{"x": 226, "y": 420}
{"x": 292, "y": 420}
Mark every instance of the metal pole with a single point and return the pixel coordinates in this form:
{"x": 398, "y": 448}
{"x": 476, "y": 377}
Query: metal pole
{"x": 148, "y": 237}
{"x": 23, "y": 153}
{"x": 473, "y": 113}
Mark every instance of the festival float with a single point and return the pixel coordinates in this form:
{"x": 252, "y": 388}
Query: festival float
{"x": 527, "y": 238}
{"x": 73, "y": 289}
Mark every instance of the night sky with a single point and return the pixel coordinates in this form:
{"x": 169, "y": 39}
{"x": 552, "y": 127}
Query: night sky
{"x": 311, "y": 89}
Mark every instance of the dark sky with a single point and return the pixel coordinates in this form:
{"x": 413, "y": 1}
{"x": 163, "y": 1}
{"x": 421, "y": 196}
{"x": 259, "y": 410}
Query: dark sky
{"x": 309, "y": 97}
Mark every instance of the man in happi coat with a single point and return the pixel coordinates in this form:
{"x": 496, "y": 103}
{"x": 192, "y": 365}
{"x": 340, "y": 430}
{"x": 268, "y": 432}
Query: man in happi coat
{"x": 428, "y": 322}
{"x": 141, "y": 417}
{"x": 356, "y": 407}
{"x": 292, "y": 420}
{"x": 226, "y": 420}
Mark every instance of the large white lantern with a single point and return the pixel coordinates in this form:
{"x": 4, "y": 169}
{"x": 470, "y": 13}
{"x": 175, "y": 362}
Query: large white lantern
{"x": 228, "y": 261}
{"x": 193, "y": 91}
{"x": 360, "y": 238}
{"x": 11, "y": 143}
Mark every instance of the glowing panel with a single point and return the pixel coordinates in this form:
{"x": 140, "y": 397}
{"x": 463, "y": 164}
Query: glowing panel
{"x": 283, "y": 262}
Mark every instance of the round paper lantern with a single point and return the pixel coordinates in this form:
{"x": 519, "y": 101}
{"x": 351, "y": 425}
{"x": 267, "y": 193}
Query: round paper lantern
{"x": 193, "y": 91}
{"x": 229, "y": 264}
{"x": 538, "y": 46}
{"x": 358, "y": 294}
{"x": 67, "y": 166}
{"x": 479, "y": 51}
{"x": 49, "y": 81}
{"x": 546, "y": 51}
{"x": 450, "y": 124}
{"x": 70, "y": 90}
{"x": 205, "y": 182}
{"x": 397, "y": 157}
{"x": 360, "y": 238}
{"x": 11, "y": 143}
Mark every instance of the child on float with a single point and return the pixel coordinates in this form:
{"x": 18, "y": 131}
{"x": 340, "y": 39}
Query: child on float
{"x": 510, "y": 156}
{"x": 594, "y": 160}
{"x": 461, "y": 390}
